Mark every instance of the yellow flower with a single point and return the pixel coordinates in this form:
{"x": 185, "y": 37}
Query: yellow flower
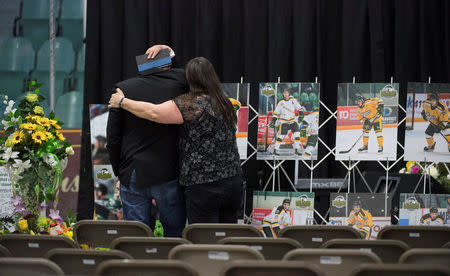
{"x": 84, "y": 246}
{"x": 9, "y": 143}
{"x": 23, "y": 224}
{"x": 32, "y": 233}
{"x": 68, "y": 234}
{"x": 54, "y": 123}
{"x": 1, "y": 232}
{"x": 409, "y": 165}
{"x": 31, "y": 97}
{"x": 28, "y": 126}
{"x": 33, "y": 117}
{"x": 38, "y": 110}
{"x": 44, "y": 122}
{"x": 17, "y": 137}
{"x": 48, "y": 135}
{"x": 70, "y": 151}
{"x": 38, "y": 137}
{"x": 60, "y": 136}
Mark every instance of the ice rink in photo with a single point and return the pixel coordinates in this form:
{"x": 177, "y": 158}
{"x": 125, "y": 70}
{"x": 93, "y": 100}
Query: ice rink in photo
{"x": 415, "y": 142}
{"x": 343, "y": 143}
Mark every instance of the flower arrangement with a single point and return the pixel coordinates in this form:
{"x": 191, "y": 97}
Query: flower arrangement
{"x": 35, "y": 153}
{"x": 438, "y": 171}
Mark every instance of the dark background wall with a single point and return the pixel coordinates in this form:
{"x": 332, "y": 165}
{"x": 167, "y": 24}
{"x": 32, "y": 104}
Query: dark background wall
{"x": 261, "y": 40}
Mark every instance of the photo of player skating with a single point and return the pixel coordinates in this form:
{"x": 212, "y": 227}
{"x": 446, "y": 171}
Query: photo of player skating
{"x": 427, "y": 135}
{"x": 367, "y": 121}
{"x": 288, "y": 121}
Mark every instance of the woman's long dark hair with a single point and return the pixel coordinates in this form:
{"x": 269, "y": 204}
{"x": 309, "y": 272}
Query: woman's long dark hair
{"x": 202, "y": 79}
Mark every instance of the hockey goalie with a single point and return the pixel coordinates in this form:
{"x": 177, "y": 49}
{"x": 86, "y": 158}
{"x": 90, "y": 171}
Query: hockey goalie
{"x": 286, "y": 117}
{"x": 435, "y": 112}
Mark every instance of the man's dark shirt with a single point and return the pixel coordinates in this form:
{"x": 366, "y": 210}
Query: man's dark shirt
{"x": 149, "y": 148}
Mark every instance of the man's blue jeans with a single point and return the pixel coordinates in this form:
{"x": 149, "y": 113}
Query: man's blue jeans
{"x": 137, "y": 204}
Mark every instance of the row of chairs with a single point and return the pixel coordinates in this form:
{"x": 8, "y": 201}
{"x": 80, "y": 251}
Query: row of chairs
{"x": 33, "y": 21}
{"x": 389, "y": 251}
{"x": 20, "y": 64}
{"x": 212, "y": 259}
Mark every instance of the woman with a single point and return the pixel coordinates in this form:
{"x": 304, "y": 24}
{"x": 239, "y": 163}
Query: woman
{"x": 209, "y": 160}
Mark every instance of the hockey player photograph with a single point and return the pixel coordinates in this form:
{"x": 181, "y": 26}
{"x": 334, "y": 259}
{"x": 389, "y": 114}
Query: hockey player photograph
{"x": 279, "y": 218}
{"x": 367, "y": 116}
{"x": 432, "y": 218}
{"x": 288, "y": 121}
{"x": 427, "y": 135}
{"x": 367, "y": 213}
{"x": 424, "y": 209}
{"x": 238, "y": 94}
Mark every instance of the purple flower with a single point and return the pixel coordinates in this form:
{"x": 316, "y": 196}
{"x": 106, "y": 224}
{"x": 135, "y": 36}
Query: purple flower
{"x": 44, "y": 205}
{"x": 16, "y": 201}
{"x": 19, "y": 209}
{"x": 54, "y": 215}
{"x": 415, "y": 169}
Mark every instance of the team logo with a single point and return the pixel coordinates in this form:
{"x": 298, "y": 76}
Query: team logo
{"x": 268, "y": 90}
{"x": 411, "y": 203}
{"x": 104, "y": 174}
{"x": 388, "y": 91}
{"x": 303, "y": 202}
{"x": 339, "y": 202}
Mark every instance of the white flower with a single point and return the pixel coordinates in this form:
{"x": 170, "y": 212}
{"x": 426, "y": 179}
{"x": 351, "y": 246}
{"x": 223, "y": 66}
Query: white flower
{"x": 21, "y": 166}
{"x": 48, "y": 158}
{"x": 64, "y": 163}
{"x": 9, "y": 154}
{"x": 14, "y": 119}
{"x": 5, "y": 124}
{"x": 448, "y": 176}
{"x": 69, "y": 151}
{"x": 402, "y": 170}
{"x": 9, "y": 107}
{"x": 434, "y": 172}
{"x": 13, "y": 175}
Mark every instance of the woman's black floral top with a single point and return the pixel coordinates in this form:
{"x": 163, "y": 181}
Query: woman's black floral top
{"x": 208, "y": 149}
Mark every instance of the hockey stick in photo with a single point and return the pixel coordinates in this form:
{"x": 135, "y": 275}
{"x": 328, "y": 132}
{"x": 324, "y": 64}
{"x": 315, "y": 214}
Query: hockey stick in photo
{"x": 443, "y": 136}
{"x": 347, "y": 151}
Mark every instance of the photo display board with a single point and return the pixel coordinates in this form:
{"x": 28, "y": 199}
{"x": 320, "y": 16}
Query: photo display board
{"x": 239, "y": 94}
{"x": 365, "y": 212}
{"x": 272, "y": 211}
{"x": 427, "y": 135}
{"x": 288, "y": 122}
{"x": 425, "y": 209}
{"x": 367, "y": 120}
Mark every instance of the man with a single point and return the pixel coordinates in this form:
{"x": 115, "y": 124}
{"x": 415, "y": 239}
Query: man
{"x": 433, "y": 218}
{"x": 436, "y": 114}
{"x": 311, "y": 122}
{"x": 279, "y": 218}
{"x": 361, "y": 220}
{"x": 144, "y": 154}
{"x": 284, "y": 120}
{"x": 370, "y": 113}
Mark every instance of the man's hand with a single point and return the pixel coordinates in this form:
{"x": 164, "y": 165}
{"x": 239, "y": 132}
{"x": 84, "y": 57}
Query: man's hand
{"x": 440, "y": 127}
{"x": 425, "y": 116}
{"x": 115, "y": 98}
{"x": 154, "y": 50}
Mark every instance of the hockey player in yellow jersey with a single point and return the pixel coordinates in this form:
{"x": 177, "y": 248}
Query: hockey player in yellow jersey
{"x": 370, "y": 113}
{"x": 436, "y": 114}
{"x": 361, "y": 220}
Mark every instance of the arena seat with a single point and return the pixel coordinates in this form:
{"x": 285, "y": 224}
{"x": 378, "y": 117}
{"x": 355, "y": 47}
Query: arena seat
{"x": 148, "y": 267}
{"x": 64, "y": 65}
{"x": 417, "y": 236}
{"x": 210, "y": 259}
{"x": 208, "y": 233}
{"x": 34, "y": 20}
{"x": 399, "y": 270}
{"x": 447, "y": 245}
{"x": 389, "y": 251}
{"x": 34, "y": 245}
{"x": 4, "y": 252}
{"x": 147, "y": 247}
{"x": 333, "y": 261}
{"x": 313, "y": 236}
{"x": 71, "y": 21}
{"x": 82, "y": 262}
{"x": 262, "y": 268}
{"x": 271, "y": 248}
{"x": 69, "y": 109}
{"x": 100, "y": 233}
{"x": 28, "y": 266}
{"x": 432, "y": 256}
{"x": 16, "y": 63}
